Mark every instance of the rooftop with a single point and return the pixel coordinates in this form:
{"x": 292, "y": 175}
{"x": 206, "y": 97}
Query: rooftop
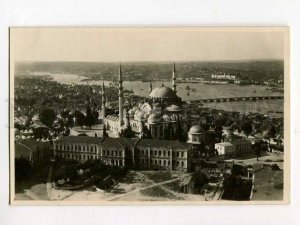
{"x": 225, "y": 144}
{"x": 80, "y": 139}
{"x": 162, "y": 143}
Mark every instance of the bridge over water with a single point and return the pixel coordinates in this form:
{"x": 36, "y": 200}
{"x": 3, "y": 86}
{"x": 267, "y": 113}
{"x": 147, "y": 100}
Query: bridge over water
{"x": 232, "y": 99}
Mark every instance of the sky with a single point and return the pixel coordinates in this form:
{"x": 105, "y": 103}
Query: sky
{"x": 146, "y": 44}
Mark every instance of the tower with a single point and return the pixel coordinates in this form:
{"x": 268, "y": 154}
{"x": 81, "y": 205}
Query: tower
{"x": 120, "y": 97}
{"x": 103, "y": 101}
{"x": 174, "y": 79}
{"x": 150, "y": 87}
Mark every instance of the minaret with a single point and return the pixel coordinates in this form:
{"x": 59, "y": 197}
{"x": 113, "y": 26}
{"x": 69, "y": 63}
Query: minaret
{"x": 150, "y": 87}
{"x": 120, "y": 97}
{"x": 103, "y": 101}
{"x": 174, "y": 79}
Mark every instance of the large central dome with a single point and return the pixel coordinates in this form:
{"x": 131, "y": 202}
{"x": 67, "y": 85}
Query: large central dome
{"x": 163, "y": 92}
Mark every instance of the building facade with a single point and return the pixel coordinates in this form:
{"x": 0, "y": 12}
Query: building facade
{"x": 162, "y": 155}
{"x": 235, "y": 148}
{"x": 148, "y": 154}
{"x": 81, "y": 148}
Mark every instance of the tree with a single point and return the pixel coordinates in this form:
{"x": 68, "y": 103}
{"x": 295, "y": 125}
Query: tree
{"x": 89, "y": 119}
{"x": 127, "y": 133}
{"x": 47, "y": 117}
{"x": 80, "y": 118}
{"x": 219, "y": 130}
{"x": 247, "y": 128}
{"x": 199, "y": 179}
{"x": 41, "y": 132}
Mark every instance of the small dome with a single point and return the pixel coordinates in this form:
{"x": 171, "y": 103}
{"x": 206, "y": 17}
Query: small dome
{"x": 138, "y": 114}
{"x": 166, "y": 118}
{"x": 174, "y": 108}
{"x": 196, "y": 130}
{"x": 146, "y": 114}
{"x": 154, "y": 118}
{"x": 131, "y": 112}
{"x": 163, "y": 92}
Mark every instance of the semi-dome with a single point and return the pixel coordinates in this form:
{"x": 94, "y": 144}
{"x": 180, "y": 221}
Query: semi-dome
{"x": 166, "y": 118}
{"x": 154, "y": 118}
{"x": 146, "y": 114}
{"x": 163, "y": 92}
{"x": 131, "y": 112}
{"x": 174, "y": 108}
{"x": 138, "y": 114}
{"x": 196, "y": 129}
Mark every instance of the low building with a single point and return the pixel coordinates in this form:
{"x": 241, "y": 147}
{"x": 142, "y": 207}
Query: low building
{"x": 225, "y": 149}
{"x": 131, "y": 152}
{"x": 162, "y": 154}
{"x": 117, "y": 151}
{"x": 80, "y": 148}
{"x": 242, "y": 147}
{"x": 236, "y": 148}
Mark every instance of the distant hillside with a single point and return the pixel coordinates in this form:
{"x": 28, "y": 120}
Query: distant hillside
{"x": 257, "y": 70}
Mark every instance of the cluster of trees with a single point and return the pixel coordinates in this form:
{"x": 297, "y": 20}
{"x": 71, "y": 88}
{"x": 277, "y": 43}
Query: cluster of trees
{"x": 247, "y": 124}
{"x": 48, "y": 116}
{"x": 89, "y": 119}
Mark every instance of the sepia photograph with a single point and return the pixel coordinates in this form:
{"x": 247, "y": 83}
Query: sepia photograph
{"x": 149, "y": 115}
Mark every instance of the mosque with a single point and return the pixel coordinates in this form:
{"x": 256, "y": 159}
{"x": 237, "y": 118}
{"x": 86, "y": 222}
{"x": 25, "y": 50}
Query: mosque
{"x": 161, "y": 116}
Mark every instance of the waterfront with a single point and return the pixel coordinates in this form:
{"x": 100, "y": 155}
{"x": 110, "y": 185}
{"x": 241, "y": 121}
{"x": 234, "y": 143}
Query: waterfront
{"x": 202, "y": 91}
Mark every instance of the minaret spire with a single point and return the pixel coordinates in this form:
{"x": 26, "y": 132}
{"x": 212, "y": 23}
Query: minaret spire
{"x": 150, "y": 87}
{"x": 174, "y": 78}
{"x": 103, "y": 102}
{"x": 120, "y": 97}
